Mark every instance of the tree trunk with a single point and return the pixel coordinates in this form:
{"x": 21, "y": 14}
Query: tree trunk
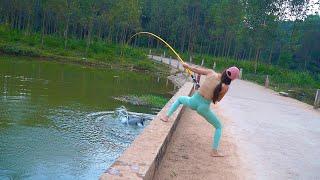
{"x": 305, "y": 62}
{"x": 270, "y": 54}
{"x": 125, "y": 35}
{"x": 117, "y": 34}
{"x": 47, "y": 25}
{"x": 82, "y": 35}
{"x": 279, "y": 57}
{"x": 11, "y": 19}
{"x": 250, "y": 51}
{"x": 43, "y": 29}
{"x": 201, "y": 47}
{"x": 15, "y": 22}
{"x": 110, "y": 35}
{"x": 65, "y": 33}
{"x": 149, "y": 42}
{"x": 28, "y": 29}
{"x": 99, "y": 31}
{"x": 20, "y": 21}
{"x": 229, "y": 47}
{"x": 244, "y": 54}
{"x": 259, "y": 55}
{"x": 190, "y": 43}
{"x": 6, "y": 18}
{"x": 135, "y": 43}
{"x": 235, "y": 50}
{"x": 224, "y": 46}
{"x": 215, "y": 47}
{"x": 208, "y": 49}
{"x": 256, "y": 60}
{"x": 122, "y": 36}
{"x": 291, "y": 36}
{"x": 89, "y": 37}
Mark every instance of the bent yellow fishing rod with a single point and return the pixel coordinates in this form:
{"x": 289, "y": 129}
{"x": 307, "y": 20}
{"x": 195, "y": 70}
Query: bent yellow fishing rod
{"x": 168, "y": 45}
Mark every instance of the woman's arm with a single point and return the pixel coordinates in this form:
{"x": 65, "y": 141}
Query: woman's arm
{"x": 223, "y": 91}
{"x": 197, "y": 70}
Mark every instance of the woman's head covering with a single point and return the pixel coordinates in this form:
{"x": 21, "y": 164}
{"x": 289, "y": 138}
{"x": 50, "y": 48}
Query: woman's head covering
{"x": 233, "y": 72}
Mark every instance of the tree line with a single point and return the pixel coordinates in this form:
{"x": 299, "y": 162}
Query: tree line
{"x": 278, "y": 32}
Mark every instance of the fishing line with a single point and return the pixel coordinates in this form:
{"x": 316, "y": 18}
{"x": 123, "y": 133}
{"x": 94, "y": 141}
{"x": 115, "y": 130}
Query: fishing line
{"x": 168, "y": 45}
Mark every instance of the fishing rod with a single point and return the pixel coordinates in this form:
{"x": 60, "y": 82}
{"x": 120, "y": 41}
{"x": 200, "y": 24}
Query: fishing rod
{"x": 168, "y": 45}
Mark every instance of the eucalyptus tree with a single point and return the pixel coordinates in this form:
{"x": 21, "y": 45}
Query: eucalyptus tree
{"x": 69, "y": 8}
{"x": 278, "y": 32}
{"x": 124, "y": 18}
{"x": 90, "y": 10}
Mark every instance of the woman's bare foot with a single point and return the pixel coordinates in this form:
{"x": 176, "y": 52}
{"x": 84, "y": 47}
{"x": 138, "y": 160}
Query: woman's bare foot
{"x": 164, "y": 118}
{"x": 215, "y": 153}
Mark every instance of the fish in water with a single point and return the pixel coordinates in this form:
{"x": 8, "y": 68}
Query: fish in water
{"x": 139, "y": 121}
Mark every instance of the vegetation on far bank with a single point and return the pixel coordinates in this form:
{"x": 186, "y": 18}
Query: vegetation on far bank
{"x": 275, "y": 38}
{"x": 15, "y": 42}
{"x": 100, "y": 53}
{"x": 143, "y": 100}
{"x": 284, "y": 33}
{"x": 156, "y": 101}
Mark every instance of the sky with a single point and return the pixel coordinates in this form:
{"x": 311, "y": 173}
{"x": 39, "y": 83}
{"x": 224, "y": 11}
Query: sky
{"x": 314, "y": 8}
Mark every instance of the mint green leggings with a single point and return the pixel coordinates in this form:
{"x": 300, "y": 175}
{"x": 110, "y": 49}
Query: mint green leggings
{"x": 202, "y": 106}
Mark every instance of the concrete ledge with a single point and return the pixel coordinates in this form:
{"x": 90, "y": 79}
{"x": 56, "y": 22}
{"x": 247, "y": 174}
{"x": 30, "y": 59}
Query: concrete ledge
{"x": 142, "y": 158}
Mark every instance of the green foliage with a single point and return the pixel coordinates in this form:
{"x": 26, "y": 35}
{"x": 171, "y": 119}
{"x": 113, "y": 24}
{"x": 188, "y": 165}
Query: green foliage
{"x": 234, "y": 29}
{"x": 144, "y": 65}
{"x": 144, "y": 100}
{"x": 244, "y": 33}
{"x": 17, "y": 43}
{"x": 18, "y": 50}
{"x": 156, "y": 101}
{"x": 284, "y": 59}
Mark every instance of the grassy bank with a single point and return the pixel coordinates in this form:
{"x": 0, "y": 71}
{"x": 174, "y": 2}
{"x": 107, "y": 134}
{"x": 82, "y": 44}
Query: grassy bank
{"x": 156, "y": 101}
{"x": 301, "y": 85}
{"x": 100, "y": 53}
{"x": 143, "y": 100}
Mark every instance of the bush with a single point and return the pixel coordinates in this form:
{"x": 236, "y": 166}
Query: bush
{"x": 153, "y": 100}
{"x": 19, "y": 51}
{"x": 144, "y": 65}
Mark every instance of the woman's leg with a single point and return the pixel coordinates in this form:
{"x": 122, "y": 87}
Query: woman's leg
{"x": 212, "y": 119}
{"x": 185, "y": 100}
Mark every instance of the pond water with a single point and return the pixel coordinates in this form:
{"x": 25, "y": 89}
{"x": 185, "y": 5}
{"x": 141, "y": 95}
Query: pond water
{"x": 52, "y": 124}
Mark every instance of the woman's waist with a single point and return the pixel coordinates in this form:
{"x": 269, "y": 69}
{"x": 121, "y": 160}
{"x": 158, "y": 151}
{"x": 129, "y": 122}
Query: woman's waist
{"x": 206, "y": 94}
{"x": 202, "y": 96}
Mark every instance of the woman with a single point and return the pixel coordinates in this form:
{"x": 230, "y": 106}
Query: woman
{"x": 212, "y": 89}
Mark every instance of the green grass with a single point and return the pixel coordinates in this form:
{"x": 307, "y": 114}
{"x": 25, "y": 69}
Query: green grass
{"x": 144, "y": 100}
{"x": 156, "y": 101}
{"x": 18, "y": 43}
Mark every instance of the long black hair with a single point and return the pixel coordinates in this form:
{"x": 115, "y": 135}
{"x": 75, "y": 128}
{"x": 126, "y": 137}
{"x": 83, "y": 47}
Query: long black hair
{"x": 224, "y": 80}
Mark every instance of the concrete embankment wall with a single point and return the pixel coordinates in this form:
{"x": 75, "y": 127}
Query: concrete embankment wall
{"x": 142, "y": 158}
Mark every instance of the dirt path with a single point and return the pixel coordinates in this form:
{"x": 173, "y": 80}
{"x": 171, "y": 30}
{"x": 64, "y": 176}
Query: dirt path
{"x": 188, "y": 155}
{"x": 278, "y": 137}
{"x": 265, "y": 136}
